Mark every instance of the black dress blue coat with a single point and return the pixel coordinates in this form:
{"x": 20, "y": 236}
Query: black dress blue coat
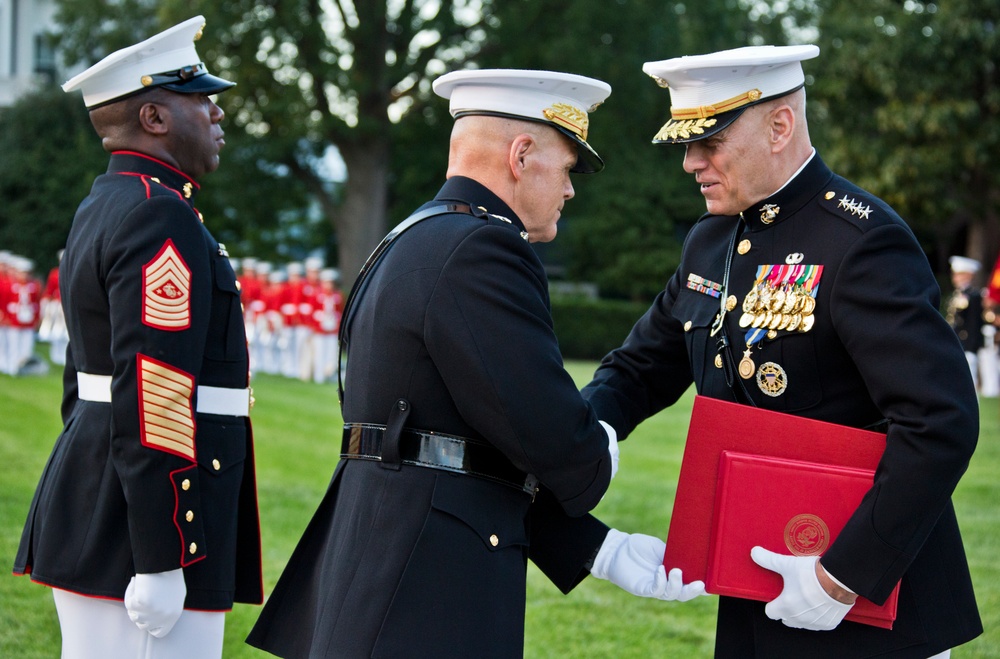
{"x": 118, "y": 496}
{"x": 424, "y": 563}
{"x": 879, "y": 349}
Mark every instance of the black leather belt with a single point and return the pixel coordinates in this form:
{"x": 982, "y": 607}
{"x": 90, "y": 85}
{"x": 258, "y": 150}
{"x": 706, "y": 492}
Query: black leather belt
{"x": 421, "y": 448}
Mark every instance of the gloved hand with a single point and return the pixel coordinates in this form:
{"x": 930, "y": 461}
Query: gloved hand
{"x": 634, "y": 563}
{"x": 803, "y": 603}
{"x": 612, "y": 447}
{"x": 155, "y": 601}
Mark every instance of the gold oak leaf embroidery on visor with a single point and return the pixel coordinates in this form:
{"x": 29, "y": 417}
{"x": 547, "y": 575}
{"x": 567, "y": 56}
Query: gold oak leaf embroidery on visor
{"x": 167, "y": 416}
{"x": 166, "y": 285}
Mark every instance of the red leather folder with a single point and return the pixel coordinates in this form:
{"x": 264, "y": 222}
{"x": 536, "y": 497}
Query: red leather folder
{"x": 718, "y": 426}
{"x": 787, "y": 506}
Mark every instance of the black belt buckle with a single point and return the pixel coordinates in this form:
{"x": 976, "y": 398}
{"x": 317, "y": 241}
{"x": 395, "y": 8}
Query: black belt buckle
{"x": 434, "y": 450}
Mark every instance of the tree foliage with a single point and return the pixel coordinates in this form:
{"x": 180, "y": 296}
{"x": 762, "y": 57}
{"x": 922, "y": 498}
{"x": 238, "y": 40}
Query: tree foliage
{"x": 50, "y": 158}
{"x": 907, "y": 101}
{"x": 625, "y": 226}
{"x": 903, "y": 99}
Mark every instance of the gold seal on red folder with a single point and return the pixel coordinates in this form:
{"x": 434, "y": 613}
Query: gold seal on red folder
{"x": 807, "y": 535}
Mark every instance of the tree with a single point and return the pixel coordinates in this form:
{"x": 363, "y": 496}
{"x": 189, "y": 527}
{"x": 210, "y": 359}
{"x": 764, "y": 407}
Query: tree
{"x": 625, "y": 226}
{"x": 907, "y": 101}
{"x": 50, "y": 157}
{"x": 315, "y": 77}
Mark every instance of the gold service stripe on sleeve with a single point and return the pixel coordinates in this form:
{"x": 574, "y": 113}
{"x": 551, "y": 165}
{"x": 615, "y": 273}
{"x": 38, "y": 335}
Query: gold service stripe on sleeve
{"x": 165, "y": 393}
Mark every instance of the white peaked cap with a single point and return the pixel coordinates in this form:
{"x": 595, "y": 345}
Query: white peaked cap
{"x": 964, "y": 264}
{"x": 562, "y": 100}
{"x": 709, "y": 92}
{"x": 168, "y": 59}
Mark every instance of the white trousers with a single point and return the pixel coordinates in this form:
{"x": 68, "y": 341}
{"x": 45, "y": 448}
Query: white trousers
{"x": 95, "y": 628}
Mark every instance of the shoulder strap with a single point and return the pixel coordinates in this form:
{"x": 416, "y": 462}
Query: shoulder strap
{"x": 370, "y": 264}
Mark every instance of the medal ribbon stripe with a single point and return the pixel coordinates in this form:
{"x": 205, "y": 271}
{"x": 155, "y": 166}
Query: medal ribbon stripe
{"x": 167, "y": 415}
{"x": 702, "y": 285}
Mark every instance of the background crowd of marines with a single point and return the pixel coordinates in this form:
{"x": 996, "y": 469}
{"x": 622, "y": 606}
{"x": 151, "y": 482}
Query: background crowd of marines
{"x": 292, "y": 315}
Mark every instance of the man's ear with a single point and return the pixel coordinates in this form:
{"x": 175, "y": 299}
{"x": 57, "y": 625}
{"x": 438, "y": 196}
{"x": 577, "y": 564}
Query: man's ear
{"x": 520, "y": 149}
{"x": 154, "y": 118}
{"x": 781, "y": 127}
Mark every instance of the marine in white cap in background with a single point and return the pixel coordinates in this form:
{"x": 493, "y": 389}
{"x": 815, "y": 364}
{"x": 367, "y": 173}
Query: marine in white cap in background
{"x": 964, "y": 310}
{"x": 144, "y": 522}
{"x": 22, "y": 301}
{"x": 52, "y": 329}
{"x": 467, "y": 448}
{"x": 328, "y": 305}
{"x": 799, "y": 292}
{"x": 5, "y": 323}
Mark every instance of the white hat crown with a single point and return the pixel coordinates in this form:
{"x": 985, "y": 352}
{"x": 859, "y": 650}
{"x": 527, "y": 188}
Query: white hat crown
{"x": 562, "y": 100}
{"x": 134, "y": 68}
{"x": 703, "y": 87}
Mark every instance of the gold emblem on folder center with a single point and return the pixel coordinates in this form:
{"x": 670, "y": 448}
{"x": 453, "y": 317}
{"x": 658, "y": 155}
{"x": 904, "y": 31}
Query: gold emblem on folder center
{"x": 807, "y": 535}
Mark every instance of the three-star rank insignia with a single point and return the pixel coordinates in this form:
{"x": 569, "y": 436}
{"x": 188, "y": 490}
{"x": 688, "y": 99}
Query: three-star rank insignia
{"x": 166, "y": 285}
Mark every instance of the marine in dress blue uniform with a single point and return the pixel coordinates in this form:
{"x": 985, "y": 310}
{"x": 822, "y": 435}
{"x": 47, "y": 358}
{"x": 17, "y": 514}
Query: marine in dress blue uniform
{"x": 153, "y": 472}
{"x": 814, "y": 299}
{"x": 964, "y": 310}
{"x": 467, "y": 447}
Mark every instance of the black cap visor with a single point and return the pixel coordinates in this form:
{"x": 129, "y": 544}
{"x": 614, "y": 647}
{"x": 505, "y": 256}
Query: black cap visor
{"x": 201, "y": 82}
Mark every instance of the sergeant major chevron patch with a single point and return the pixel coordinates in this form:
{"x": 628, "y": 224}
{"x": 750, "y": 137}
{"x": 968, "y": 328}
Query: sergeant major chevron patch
{"x": 166, "y": 285}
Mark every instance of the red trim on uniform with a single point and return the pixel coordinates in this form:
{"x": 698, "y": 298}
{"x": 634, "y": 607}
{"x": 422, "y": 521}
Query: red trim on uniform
{"x": 256, "y": 509}
{"x": 157, "y": 160}
{"x": 180, "y": 531}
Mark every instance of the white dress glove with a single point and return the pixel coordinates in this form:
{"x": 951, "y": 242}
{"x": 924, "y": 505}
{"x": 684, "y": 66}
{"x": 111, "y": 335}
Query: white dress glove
{"x": 634, "y": 563}
{"x": 155, "y": 601}
{"x": 803, "y": 603}
{"x": 612, "y": 447}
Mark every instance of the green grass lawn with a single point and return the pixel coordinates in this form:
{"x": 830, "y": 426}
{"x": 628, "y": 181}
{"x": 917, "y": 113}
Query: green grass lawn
{"x": 297, "y": 431}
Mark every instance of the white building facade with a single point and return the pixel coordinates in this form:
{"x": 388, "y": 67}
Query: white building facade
{"x": 26, "y": 58}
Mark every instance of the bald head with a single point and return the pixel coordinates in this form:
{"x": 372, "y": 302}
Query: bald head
{"x": 482, "y": 143}
{"x": 524, "y": 163}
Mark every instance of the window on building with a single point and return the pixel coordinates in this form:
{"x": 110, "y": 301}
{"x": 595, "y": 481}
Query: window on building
{"x": 45, "y": 57}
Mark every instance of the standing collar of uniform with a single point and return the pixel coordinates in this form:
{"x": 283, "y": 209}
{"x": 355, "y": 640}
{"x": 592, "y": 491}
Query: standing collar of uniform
{"x": 474, "y": 193}
{"x": 135, "y": 163}
{"x": 792, "y": 196}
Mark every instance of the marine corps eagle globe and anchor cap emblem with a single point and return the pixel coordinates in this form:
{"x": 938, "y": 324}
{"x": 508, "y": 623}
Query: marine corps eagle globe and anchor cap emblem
{"x": 561, "y": 100}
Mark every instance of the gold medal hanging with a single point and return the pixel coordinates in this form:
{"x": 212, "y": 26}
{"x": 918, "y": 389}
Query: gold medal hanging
{"x": 746, "y": 366}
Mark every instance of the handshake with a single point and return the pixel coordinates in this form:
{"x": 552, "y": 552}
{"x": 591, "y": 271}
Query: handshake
{"x": 634, "y": 563}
